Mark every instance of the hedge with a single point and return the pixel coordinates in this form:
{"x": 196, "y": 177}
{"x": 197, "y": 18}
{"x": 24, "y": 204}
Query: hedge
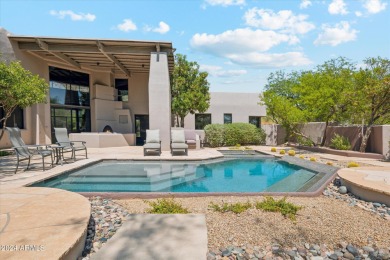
{"x": 233, "y": 134}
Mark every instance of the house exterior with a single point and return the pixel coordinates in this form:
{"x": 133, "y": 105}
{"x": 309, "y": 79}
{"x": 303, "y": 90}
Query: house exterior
{"x": 94, "y": 83}
{"x": 98, "y": 84}
{"x": 228, "y": 107}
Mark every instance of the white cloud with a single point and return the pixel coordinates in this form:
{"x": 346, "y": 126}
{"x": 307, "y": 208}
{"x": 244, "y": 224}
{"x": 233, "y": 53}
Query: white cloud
{"x": 217, "y": 71}
{"x": 283, "y": 20}
{"x": 73, "y": 16}
{"x": 225, "y": 3}
{"x": 239, "y": 40}
{"x": 358, "y": 14}
{"x": 271, "y": 60}
{"x": 247, "y": 46}
{"x": 162, "y": 28}
{"x": 374, "y": 6}
{"x": 305, "y": 4}
{"x": 340, "y": 33}
{"x": 337, "y": 7}
{"x": 127, "y": 26}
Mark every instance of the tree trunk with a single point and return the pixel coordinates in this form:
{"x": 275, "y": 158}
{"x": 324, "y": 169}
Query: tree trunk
{"x": 365, "y": 137}
{"x": 176, "y": 120}
{"x": 182, "y": 121}
{"x": 324, "y": 135}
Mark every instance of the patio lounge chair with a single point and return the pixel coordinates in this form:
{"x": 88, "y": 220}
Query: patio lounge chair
{"x": 25, "y": 152}
{"x": 178, "y": 141}
{"x": 69, "y": 146}
{"x": 152, "y": 141}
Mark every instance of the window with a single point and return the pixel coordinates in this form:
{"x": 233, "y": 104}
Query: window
{"x": 69, "y": 100}
{"x": 201, "y": 120}
{"x": 15, "y": 120}
{"x": 227, "y": 118}
{"x": 255, "y": 120}
{"x": 123, "y": 90}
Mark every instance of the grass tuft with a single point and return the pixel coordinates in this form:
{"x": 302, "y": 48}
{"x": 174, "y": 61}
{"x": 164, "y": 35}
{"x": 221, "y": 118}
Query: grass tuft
{"x": 287, "y": 209}
{"x": 4, "y": 153}
{"x": 235, "y": 207}
{"x": 166, "y": 206}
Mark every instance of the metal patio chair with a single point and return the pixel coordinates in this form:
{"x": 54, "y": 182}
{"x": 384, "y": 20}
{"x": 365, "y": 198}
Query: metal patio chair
{"x": 178, "y": 141}
{"x": 69, "y": 146}
{"x": 26, "y": 152}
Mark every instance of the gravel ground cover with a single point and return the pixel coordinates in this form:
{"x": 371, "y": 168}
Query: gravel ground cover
{"x": 331, "y": 226}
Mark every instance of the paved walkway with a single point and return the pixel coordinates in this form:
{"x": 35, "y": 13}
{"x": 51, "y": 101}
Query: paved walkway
{"x": 156, "y": 236}
{"x": 42, "y": 223}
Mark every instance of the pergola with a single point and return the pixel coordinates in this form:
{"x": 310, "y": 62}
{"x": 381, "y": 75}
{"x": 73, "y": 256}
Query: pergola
{"x": 118, "y": 56}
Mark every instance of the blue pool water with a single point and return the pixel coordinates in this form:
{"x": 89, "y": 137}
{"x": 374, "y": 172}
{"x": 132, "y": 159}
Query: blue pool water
{"x": 223, "y": 175}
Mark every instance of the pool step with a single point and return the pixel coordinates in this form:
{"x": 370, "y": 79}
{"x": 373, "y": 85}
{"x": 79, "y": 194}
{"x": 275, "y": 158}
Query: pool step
{"x": 292, "y": 183}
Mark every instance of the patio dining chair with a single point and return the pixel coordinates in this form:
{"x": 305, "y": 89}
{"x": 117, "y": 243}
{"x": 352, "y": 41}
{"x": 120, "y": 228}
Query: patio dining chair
{"x": 152, "y": 142}
{"x": 26, "y": 152}
{"x": 69, "y": 146}
{"x": 178, "y": 141}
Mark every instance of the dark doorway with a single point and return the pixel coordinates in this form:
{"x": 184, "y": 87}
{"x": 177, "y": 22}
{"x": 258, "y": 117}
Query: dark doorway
{"x": 141, "y": 124}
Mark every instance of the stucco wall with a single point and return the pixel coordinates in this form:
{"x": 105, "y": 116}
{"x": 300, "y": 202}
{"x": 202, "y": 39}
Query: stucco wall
{"x": 240, "y": 105}
{"x": 138, "y": 94}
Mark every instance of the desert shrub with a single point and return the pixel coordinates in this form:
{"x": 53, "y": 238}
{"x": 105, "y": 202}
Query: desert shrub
{"x": 4, "y": 153}
{"x": 282, "y": 152}
{"x": 287, "y": 209}
{"x": 166, "y": 206}
{"x": 340, "y": 143}
{"x": 235, "y": 207}
{"x": 352, "y": 164}
{"x": 235, "y": 134}
{"x": 273, "y": 149}
{"x": 291, "y": 152}
{"x": 304, "y": 141}
{"x": 214, "y": 134}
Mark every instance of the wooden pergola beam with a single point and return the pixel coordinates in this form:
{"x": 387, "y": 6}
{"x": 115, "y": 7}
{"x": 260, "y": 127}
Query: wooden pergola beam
{"x": 113, "y": 59}
{"x": 44, "y": 46}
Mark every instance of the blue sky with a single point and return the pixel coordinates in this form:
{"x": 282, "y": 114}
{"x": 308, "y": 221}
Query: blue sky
{"x": 239, "y": 42}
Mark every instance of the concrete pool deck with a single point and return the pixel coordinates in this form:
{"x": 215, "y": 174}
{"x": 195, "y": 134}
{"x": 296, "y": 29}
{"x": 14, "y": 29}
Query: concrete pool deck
{"x": 42, "y": 223}
{"x": 41, "y": 206}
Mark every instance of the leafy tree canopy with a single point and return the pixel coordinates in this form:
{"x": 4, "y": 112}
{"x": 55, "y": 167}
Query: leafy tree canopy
{"x": 190, "y": 89}
{"x": 19, "y": 88}
{"x": 333, "y": 92}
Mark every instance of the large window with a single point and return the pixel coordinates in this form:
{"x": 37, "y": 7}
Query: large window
{"x": 70, "y": 100}
{"x": 255, "y": 120}
{"x": 123, "y": 89}
{"x": 15, "y": 120}
{"x": 201, "y": 120}
{"x": 227, "y": 118}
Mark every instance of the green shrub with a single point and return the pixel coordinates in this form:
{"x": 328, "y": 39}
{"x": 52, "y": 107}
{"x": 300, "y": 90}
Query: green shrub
{"x": 166, "y": 206}
{"x": 287, "y": 209}
{"x": 214, "y": 134}
{"x": 235, "y": 207}
{"x": 4, "y": 153}
{"x": 233, "y": 134}
{"x": 304, "y": 141}
{"x": 340, "y": 143}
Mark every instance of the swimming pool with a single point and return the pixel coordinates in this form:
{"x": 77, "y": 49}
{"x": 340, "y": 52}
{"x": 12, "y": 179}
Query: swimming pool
{"x": 244, "y": 175}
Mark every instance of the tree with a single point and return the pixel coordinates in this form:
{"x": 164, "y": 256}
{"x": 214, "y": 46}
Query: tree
{"x": 370, "y": 96}
{"x": 321, "y": 91}
{"x": 190, "y": 89}
{"x": 282, "y": 101}
{"x": 19, "y": 88}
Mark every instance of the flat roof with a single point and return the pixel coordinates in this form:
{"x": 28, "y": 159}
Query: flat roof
{"x": 119, "y": 56}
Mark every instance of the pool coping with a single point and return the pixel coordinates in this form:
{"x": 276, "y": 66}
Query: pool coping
{"x": 312, "y": 166}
